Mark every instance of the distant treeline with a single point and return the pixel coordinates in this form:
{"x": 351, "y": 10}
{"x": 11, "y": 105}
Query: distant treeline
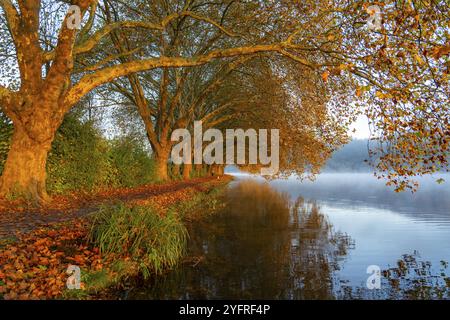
{"x": 350, "y": 158}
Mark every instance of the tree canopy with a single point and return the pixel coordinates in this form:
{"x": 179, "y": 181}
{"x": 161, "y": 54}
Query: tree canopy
{"x": 179, "y": 60}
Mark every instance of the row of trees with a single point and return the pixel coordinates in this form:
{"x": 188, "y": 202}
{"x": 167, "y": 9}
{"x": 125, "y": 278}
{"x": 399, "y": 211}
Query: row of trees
{"x": 306, "y": 67}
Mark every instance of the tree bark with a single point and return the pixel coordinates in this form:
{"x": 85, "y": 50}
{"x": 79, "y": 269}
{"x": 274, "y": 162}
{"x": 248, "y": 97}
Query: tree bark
{"x": 176, "y": 171}
{"x": 221, "y": 170}
{"x": 24, "y": 174}
{"x": 162, "y": 158}
{"x": 187, "y": 169}
{"x": 198, "y": 170}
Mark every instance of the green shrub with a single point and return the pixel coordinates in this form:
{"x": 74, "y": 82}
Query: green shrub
{"x": 153, "y": 243}
{"x": 82, "y": 159}
{"x": 78, "y": 159}
{"x": 132, "y": 163}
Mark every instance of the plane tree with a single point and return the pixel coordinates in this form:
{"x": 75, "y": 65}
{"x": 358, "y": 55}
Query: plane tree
{"x": 47, "y": 85}
{"x": 398, "y": 71}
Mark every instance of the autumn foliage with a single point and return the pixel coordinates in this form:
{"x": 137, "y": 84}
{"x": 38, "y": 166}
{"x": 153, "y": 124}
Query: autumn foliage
{"x": 306, "y": 67}
{"x": 34, "y": 265}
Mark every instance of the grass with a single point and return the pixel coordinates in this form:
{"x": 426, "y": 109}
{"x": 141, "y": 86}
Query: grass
{"x": 141, "y": 241}
{"x": 202, "y": 204}
{"x": 154, "y": 243}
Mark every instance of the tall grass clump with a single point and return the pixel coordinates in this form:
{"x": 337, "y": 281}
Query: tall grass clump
{"x": 152, "y": 242}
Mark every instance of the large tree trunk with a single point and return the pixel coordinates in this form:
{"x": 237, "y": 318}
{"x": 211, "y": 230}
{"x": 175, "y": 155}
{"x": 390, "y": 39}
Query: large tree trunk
{"x": 24, "y": 174}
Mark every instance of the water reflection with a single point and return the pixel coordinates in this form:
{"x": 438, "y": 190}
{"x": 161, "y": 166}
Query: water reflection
{"x": 430, "y": 203}
{"x": 319, "y": 253}
{"x": 270, "y": 243}
{"x": 262, "y": 246}
{"x": 412, "y": 278}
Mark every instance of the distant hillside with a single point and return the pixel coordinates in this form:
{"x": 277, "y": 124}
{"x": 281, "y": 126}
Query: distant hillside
{"x": 350, "y": 158}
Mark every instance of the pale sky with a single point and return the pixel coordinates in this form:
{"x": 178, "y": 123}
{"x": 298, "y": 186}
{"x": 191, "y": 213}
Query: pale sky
{"x": 362, "y": 128}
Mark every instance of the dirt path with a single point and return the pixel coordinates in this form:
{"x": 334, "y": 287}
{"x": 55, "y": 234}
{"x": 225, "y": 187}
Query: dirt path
{"x": 15, "y": 218}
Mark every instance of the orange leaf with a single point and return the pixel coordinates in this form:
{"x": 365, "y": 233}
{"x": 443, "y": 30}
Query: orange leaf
{"x": 325, "y": 76}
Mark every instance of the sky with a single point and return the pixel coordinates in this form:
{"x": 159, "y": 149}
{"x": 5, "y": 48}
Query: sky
{"x": 361, "y": 127}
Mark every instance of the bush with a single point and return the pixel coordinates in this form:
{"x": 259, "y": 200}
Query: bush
{"x": 152, "y": 242}
{"x": 78, "y": 159}
{"x": 82, "y": 159}
{"x": 133, "y": 166}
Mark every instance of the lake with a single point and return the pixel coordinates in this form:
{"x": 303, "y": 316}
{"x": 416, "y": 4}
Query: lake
{"x": 288, "y": 239}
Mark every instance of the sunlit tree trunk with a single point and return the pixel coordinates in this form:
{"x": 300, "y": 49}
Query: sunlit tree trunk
{"x": 187, "y": 170}
{"x": 24, "y": 174}
{"x": 162, "y": 159}
{"x": 221, "y": 170}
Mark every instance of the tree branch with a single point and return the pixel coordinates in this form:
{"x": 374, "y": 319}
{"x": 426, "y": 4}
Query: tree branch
{"x": 102, "y": 76}
{"x": 12, "y": 17}
{"x": 6, "y": 97}
{"x": 89, "y": 44}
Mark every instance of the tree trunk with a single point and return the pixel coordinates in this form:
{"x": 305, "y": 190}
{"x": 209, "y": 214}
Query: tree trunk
{"x": 216, "y": 170}
{"x": 162, "y": 159}
{"x": 187, "y": 169}
{"x": 205, "y": 170}
{"x": 176, "y": 171}
{"x": 24, "y": 174}
{"x": 198, "y": 170}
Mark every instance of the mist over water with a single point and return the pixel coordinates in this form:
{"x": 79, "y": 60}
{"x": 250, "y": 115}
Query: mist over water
{"x": 384, "y": 225}
{"x": 288, "y": 239}
{"x": 363, "y": 189}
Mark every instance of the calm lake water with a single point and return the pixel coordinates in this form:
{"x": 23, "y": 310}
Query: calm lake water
{"x": 315, "y": 240}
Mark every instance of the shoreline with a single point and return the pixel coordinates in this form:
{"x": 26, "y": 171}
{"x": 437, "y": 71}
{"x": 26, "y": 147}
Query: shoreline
{"x": 34, "y": 266}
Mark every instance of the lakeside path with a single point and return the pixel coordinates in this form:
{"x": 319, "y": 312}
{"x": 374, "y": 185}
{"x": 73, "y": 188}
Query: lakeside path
{"x": 33, "y": 264}
{"x": 19, "y": 219}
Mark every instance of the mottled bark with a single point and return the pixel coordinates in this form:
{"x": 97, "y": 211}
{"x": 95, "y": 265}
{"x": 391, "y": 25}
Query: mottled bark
{"x": 24, "y": 174}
